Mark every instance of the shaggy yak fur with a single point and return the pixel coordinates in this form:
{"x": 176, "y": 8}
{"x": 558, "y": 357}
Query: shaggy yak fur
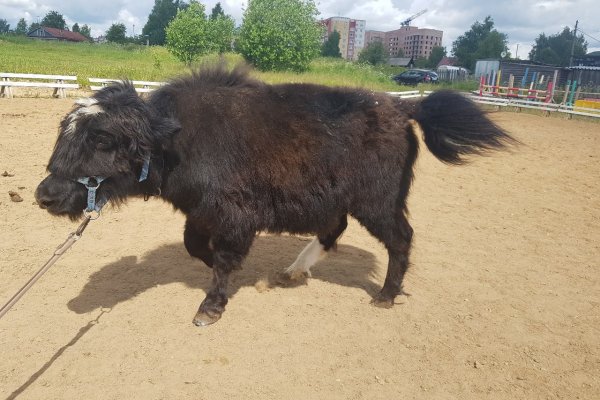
{"x": 238, "y": 156}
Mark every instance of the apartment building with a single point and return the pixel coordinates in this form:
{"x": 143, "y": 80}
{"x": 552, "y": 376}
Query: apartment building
{"x": 352, "y": 35}
{"x": 374, "y": 36}
{"x": 414, "y": 42}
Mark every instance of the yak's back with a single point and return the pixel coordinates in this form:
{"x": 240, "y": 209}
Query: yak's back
{"x": 328, "y": 103}
{"x": 202, "y": 81}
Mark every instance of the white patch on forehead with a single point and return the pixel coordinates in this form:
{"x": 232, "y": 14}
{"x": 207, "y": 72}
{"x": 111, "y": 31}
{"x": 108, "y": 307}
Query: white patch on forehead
{"x": 89, "y": 106}
{"x": 86, "y": 101}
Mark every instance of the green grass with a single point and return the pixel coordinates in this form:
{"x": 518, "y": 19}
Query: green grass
{"x": 22, "y": 55}
{"x": 135, "y": 62}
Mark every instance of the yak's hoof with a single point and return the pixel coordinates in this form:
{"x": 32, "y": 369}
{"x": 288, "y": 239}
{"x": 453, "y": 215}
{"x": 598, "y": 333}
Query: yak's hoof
{"x": 204, "y": 318}
{"x": 382, "y": 302}
{"x": 292, "y": 278}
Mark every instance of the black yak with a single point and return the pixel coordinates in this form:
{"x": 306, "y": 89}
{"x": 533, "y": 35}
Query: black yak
{"x": 238, "y": 156}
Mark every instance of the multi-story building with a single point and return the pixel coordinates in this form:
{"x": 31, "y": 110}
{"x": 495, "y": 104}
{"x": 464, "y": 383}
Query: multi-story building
{"x": 414, "y": 42}
{"x": 374, "y": 36}
{"x": 352, "y": 35}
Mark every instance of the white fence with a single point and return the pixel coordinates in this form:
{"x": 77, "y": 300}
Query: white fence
{"x": 547, "y": 108}
{"x": 516, "y": 104}
{"x": 140, "y": 86}
{"x": 410, "y": 94}
{"x": 57, "y": 82}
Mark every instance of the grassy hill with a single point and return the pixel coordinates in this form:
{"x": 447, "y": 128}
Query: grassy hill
{"x": 135, "y": 62}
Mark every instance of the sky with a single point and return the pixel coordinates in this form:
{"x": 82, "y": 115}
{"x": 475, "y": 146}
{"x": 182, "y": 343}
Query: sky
{"x": 522, "y": 20}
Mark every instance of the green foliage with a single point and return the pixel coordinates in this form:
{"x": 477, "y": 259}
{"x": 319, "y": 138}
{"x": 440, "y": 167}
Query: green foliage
{"x": 220, "y": 33}
{"x": 481, "y": 41}
{"x": 4, "y": 26}
{"x": 187, "y": 34}
{"x": 21, "y": 29}
{"x": 34, "y": 26}
{"x": 54, "y": 20}
{"x": 279, "y": 35}
{"x": 217, "y": 11}
{"x": 400, "y": 53}
{"x": 331, "y": 47}
{"x": 75, "y": 27}
{"x": 116, "y": 33}
{"x": 421, "y": 62}
{"x": 556, "y": 49}
{"x": 162, "y": 13}
{"x": 437, "y": 53}
{"x": 373, "y": 54}
{"x": 191, "y": 34}
{"x": 86, "y": 31}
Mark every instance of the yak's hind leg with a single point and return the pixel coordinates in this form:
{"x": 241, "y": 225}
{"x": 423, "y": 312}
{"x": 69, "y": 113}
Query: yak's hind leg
{"x": 313, "y": 252}
{"x": 395, "y": 233}
{"x": 228, "y": 255}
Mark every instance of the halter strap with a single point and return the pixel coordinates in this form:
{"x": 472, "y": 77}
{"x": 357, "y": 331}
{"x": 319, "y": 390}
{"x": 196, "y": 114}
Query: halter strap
{"x": 92, "y": 183}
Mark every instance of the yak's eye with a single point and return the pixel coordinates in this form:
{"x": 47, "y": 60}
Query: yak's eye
{"x": 104, "y": 142}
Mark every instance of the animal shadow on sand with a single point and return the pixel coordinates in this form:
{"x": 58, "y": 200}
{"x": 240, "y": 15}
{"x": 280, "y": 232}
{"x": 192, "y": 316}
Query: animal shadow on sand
{"x": 124, "y": 279}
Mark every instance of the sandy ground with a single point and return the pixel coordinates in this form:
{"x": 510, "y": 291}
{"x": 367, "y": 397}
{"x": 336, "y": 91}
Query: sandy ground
{"x": 504, "y": 284}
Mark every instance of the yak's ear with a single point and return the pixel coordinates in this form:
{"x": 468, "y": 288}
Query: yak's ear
{"x": 165, "y": 128}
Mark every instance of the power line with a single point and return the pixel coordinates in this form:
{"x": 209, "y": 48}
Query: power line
{"x": 590, "y": 36}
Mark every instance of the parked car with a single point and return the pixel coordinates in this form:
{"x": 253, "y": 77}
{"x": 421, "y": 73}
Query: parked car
{"x": 414, "y": 76}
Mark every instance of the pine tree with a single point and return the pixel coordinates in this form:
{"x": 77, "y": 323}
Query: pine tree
{"x": 331, "y": 47}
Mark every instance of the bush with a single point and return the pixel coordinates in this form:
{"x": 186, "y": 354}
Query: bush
{"x": 279, "y": 35}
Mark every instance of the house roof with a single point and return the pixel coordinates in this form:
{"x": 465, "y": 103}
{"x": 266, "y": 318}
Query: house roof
{"x": 400, "y": 61}
{"x": 64, "y": 34}
{"x": 447, "y": 61}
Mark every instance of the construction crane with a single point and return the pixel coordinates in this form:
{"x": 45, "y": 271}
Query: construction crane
{"x": 407, "y": 21}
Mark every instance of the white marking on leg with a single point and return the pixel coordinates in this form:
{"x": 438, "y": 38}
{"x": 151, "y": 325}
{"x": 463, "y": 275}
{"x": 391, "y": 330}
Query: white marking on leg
{"x": 308, "y": 257}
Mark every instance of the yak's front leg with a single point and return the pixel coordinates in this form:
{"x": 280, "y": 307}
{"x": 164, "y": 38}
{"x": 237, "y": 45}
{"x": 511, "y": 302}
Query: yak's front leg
{"x": 228, "y": 255}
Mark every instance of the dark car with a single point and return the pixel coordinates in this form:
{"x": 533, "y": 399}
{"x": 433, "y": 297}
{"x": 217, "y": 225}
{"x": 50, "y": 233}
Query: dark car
{"x": 414, "y": 76}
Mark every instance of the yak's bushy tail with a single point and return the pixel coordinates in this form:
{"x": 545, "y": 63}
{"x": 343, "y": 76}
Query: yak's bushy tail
{"x": 454, "y": 126}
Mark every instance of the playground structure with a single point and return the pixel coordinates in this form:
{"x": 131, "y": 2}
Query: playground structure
{"x": 537, "y": 90}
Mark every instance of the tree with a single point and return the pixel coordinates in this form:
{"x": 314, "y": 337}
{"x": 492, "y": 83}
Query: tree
{"x": 116, "y": 33}
{"x": 556, "y": 49}
{"x": 220, "y": 33}
{"x": 374, "y": 54}
{"x": 75, "y": 27}
{"x": 187, "y": 34}
{"x": 400, "y": 53}
{"x": 280, "y": 34}
{"x": 54, "y": 20}
{"x": 34, "y": 26}
{"x": 21, "y": 28}
{"x": 4, "y": 26}
{"x": 481, "y": 41}
{"x": 85, "y": 31}
{"x": 331, "y": 47}
{"x": 190, "y": 34}
{"x": 162, "y": 13}
{"x": 437, "y": 53}
{"x": 217, "y": 11}
{"x": 421, "y": 62}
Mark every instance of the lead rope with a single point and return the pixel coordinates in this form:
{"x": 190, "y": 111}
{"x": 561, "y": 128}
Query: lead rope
{"x": 91, "y": 212}
{"x": 60, "y": 250}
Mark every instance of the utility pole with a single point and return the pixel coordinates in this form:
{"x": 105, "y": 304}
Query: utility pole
{"x": 573, "y": 44}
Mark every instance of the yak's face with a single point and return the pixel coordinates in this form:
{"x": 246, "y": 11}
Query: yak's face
{"x": 108, "y": 135}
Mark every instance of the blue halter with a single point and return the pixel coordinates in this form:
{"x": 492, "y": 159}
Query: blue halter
{"x": 92, "y": 183}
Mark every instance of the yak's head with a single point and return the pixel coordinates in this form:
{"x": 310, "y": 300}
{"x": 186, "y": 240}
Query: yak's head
{"x": 108, "y": 138}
